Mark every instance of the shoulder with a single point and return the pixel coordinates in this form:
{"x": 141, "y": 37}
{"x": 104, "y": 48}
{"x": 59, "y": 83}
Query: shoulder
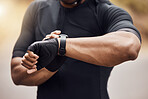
{"x": 111, "y": 11}
{"x": 39, "y": 4}
{"x": 107, "y": 6}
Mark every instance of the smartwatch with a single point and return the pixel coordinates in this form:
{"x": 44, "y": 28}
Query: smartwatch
{"x": 62, "y": 49}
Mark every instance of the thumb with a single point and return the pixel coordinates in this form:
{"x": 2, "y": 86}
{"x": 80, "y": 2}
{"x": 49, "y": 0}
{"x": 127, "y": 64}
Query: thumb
{"x": 30, "y": 71}
{"x": 32, "y": 54}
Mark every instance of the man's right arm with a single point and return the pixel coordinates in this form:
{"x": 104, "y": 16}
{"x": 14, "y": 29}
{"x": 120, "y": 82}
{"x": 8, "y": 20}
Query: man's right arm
{"x": 21, "y": 65}
{"x": 21, "y": 77}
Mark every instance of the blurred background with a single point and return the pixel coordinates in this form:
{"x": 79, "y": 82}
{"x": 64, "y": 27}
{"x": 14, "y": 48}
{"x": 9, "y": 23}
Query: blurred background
{"x": 127, "y": 81}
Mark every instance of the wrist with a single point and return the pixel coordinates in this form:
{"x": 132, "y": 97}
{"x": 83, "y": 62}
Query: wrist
{"x": 62, "y": 45}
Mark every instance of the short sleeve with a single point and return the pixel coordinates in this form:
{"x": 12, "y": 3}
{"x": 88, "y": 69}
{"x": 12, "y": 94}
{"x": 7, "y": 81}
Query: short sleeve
{"x": 27, "y": 35}
{"x": 118, "y": 19}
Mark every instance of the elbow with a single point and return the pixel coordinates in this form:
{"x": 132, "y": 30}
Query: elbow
{"x": 126, "y": 53}
{"x": 133, "y": 53}
{"x": 16, "y": 82}
{"x": 132, "y": 49}
{"x": 121, "y": 51}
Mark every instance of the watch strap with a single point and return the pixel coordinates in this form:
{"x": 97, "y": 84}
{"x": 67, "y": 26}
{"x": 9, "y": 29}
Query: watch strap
{"x": 62, "y": 49}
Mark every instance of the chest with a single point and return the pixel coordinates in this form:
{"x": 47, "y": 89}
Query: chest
{"x": 78, "y": 22}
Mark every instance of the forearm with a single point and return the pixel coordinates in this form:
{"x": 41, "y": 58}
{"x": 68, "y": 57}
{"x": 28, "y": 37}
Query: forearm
{"x": 20, "y": 76}
{"x": 108, "y": 50}
{"x": 37, "y": 78}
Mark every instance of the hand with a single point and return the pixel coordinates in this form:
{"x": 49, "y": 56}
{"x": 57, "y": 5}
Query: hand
{"x": 54, "y": 34}
{"x": 46, "y": 50}
{"x": 50, "y": 63}
{"x": 29, "y": 61}
{"x": 58, "y": 60}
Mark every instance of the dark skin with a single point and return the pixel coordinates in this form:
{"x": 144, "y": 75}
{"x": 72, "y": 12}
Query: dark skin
{"x": 107, "y": 50}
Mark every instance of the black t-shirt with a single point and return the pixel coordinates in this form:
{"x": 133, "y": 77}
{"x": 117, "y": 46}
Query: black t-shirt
{"x": 75, "y": 79}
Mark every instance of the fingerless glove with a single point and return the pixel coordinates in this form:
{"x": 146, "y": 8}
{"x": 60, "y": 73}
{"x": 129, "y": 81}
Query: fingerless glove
{"x": 48, "y": 54}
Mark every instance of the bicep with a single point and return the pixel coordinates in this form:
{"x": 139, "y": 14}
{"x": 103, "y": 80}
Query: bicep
{"x": 16, "y": 66}
{"x": 118, "y": 19}
{"x": 125, "y": 26}
{"x": 27, "y": 35}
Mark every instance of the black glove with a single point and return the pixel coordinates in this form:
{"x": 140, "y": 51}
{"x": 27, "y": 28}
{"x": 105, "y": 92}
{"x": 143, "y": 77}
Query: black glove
{"x": 47, "y": 51}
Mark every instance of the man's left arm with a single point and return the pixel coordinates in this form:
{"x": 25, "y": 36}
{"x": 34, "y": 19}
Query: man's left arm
{"x": 120, "y": 44}
{"x": 107, "y": 50}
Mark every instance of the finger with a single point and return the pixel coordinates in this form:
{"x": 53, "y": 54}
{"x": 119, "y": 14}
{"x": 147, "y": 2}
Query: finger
{"x": 45, "y": 39}
{"x": 34, "y": 67}
{"x": 54, "y": 36}
{"x": 51, "y": 36}
{"x": 26, "y": 66}
{"x": 32, "y": 55}
{"x": 25, "y": 61}
{"x": 29, "y": 58}
{"x": 48, "y": 36}
{"x": 30, "y": 71}
{"x": 57, "y": 32}
{"x": 28, "y": 63}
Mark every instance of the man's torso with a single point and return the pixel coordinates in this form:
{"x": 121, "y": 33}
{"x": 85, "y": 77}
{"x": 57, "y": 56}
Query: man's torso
{"x": 76, "y": 79}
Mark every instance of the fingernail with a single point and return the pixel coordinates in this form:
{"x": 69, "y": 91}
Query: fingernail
{"x": 34, "y": 67}
{"x": 28, "y": 71}
{"x": 58, "y": 31}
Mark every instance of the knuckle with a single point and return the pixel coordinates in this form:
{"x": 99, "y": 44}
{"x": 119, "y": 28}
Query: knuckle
{"x": 25, "y": 65}
{"x": 26, "y": 56}
{"x": 22, "y": 64}
{"x": 32, "y": 60}
{"x": 31, "y": 54}
{"x": 47, "y": 35}
{"x": 37, "y": 57}
{"x": 52, "y": 35}
{"x": 23, "y": 60}
{"x": 29, "y": 64}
